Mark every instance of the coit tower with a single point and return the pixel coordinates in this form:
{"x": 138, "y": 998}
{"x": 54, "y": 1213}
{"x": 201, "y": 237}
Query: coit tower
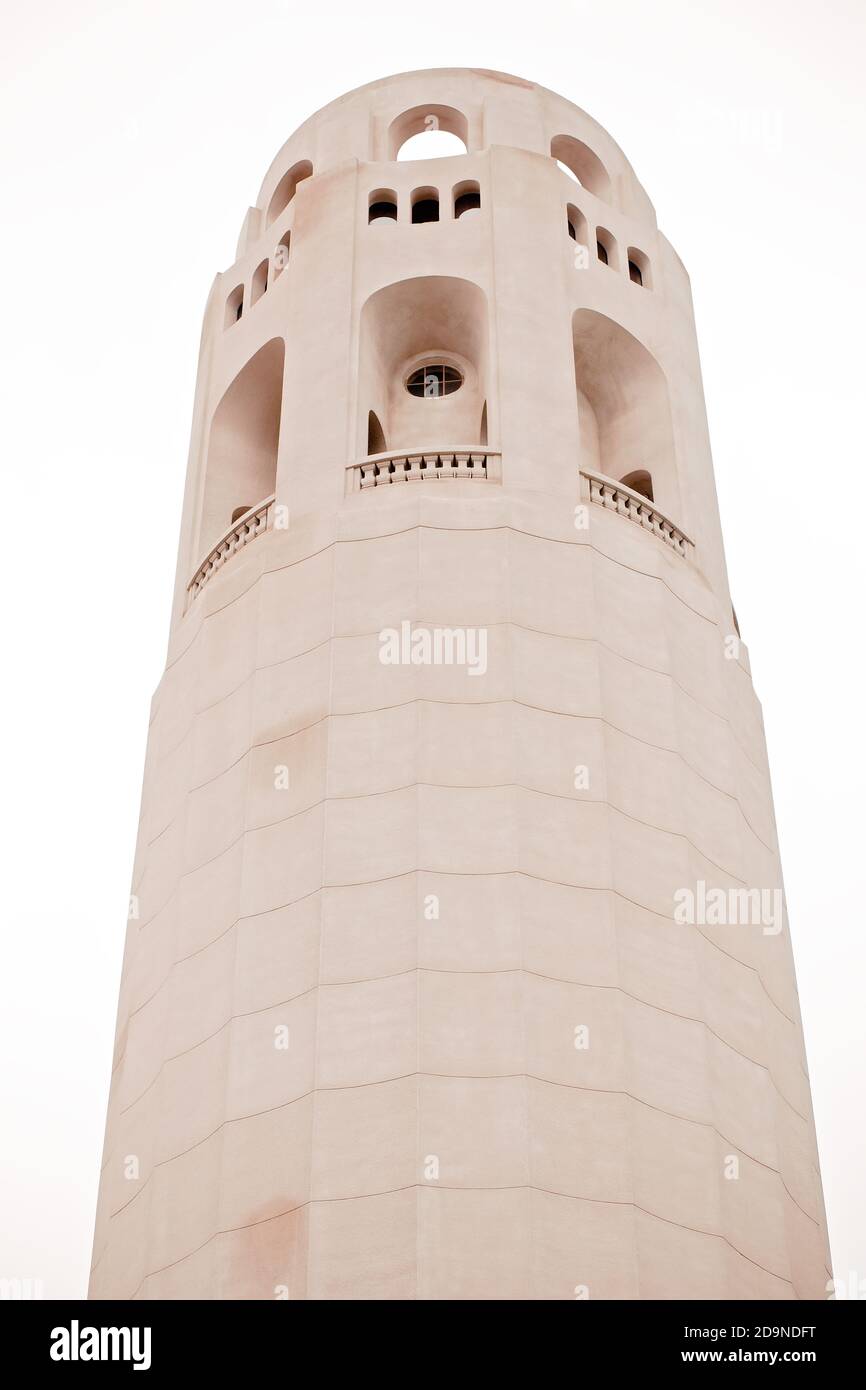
{"x": 457, "y": 965}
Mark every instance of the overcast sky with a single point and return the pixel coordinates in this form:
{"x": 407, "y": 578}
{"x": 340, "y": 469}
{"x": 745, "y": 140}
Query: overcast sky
{"x": 134, "y": 138}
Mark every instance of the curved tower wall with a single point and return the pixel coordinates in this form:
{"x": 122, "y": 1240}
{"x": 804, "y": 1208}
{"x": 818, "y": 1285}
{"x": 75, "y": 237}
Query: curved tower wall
{"x": 405, "y": 1009}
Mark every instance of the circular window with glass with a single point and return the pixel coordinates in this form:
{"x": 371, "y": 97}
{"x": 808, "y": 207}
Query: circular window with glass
{"x": 437, "y": 379}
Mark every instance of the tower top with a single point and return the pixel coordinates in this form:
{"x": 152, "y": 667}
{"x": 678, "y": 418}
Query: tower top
{"x": 480, "y": 106}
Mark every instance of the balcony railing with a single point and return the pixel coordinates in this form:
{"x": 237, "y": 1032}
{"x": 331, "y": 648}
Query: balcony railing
{"x": 616, "y": 497}
{"x": 478, "y": 463}
{"x": 474, "y": 461}
{"x": 239, "y": 534}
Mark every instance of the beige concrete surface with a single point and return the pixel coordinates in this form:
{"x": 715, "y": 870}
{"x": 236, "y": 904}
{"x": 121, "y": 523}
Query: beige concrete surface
{"x": 407, "y": 1011}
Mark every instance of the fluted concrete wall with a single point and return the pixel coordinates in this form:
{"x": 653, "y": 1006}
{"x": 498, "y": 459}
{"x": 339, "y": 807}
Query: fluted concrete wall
{"x": 346, "y": 1062}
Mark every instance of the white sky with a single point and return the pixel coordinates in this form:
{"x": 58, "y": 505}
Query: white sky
{"x": 135, "y": 137}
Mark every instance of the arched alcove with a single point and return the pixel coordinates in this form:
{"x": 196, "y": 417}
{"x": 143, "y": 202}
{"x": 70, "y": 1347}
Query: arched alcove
{"x": 578, "y": 229}
{"x": 382, "y": 206}
{"x": 241, "y": 466}
{"x": 259, "y": 283}
{"x": 626, "y": 429}
{"x": 425, "y": 205}
{"x": 466, "y": 198}
{"x": 376, "y": 443}
{"x": 639, "y": 268}
{"x": 640, "y": 481}
{"x": 423, "y": 367}
{"x": 428, "y": 121}
{"x": 606, "y": 248}
{"x": 234, "y": 306}
{"x": 582, "y": 163}
{"x": 285, "y": 189}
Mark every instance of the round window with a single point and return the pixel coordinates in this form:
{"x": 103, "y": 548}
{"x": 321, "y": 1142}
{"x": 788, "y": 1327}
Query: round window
{"x": 438, "y": 379}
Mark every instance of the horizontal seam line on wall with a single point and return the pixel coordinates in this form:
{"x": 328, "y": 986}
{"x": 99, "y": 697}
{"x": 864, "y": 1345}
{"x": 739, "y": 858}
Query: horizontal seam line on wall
{"x": 418, "y": 1187}
{"x": 317, "y": 805}
{"x": 509, "y": 623}
{"x": 436, "y": 970}
{"x": 462, "y": 704}
{"x": 459, "y": 787}
{"x": 391, "y": 878}
{"x": 449, "y": 1076}
{"x": 427, "y": 526}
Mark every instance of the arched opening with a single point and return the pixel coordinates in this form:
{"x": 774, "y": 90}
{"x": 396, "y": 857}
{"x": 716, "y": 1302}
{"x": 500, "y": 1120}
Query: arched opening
{"x": 482, "y": 433}
{"x": 640, "y": 481}
{"x": 606, "y": 248}
{"x": 431, "y": 144}
{"x": 241, "y": 511}
{"x": 281, "y": 254}
{"x": 466, "y": 198}
{"x": 234, "y": 306}
{"x": 425, "y": 205}
{"x": 577, "y": 225}
{"x": 423, "y": 369}
{"x": 375, "y": 435}
{"x": 382, "y": 206}
{"x": 259, "y": 281}
{"x": 639, "y": 268}
{"x": 624, "y": 415}
{"x": 285, "y": 189}
{"x": 428, "y": 132}
{"x": 581, "y": 163}
{"x": 241, "y": 467}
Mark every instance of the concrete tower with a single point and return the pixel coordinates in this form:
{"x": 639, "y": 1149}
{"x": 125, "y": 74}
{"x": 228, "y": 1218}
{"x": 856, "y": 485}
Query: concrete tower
{"x": 441, "y": 979}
